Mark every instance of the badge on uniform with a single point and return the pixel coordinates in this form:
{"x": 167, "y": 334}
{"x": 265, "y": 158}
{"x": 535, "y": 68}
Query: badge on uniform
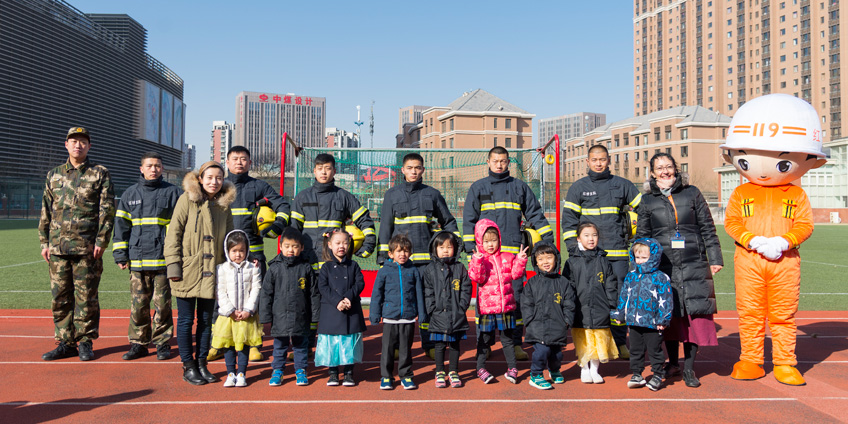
{"x": 678, "y": 241}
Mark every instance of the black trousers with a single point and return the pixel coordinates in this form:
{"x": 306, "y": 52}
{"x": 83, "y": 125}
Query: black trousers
{"x": 619, "y": 332}
{"x": 546, "y": 357}
{"x": 646, "y": 340}
{"x": 399, "y": 335}
{"x": 485, "y": 341}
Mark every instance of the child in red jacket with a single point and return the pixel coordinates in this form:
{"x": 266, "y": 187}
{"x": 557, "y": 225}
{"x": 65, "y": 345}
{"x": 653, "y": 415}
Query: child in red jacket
{"x": 494, "y": 271}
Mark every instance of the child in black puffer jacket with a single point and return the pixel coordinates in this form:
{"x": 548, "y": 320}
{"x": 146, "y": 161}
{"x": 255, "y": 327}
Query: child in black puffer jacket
{"x": 447, "y": 294}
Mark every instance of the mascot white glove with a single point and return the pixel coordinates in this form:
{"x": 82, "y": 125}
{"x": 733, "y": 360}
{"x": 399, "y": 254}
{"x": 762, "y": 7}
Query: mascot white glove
{"x": 756, "y": 242}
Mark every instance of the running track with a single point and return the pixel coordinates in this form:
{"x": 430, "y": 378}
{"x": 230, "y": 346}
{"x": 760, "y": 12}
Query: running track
{"x": 148, "y": 390}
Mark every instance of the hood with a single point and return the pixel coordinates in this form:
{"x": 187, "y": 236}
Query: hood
{"x": 191, "y": 185}
{"x": 557, "y": 264}
{"x": 650, "y": 185}
{"x": 456, "y": 252}
{"x": 653, "y": 261}
{"x": 480, "y": 228}
{"x": 227, "y": 251}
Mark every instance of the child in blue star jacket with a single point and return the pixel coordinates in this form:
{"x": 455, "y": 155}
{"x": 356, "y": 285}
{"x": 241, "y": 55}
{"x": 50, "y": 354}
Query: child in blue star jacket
{"x": 645, "y": 305}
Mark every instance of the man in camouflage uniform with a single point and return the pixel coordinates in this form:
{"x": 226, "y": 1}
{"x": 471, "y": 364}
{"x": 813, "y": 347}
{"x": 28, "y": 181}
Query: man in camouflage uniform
{"x": 77, "y": 212}
{"x": 143, "y": 215}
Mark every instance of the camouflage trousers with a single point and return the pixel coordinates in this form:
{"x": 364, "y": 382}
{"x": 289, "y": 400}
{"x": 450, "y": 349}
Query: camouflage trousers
{"x": 144, "y": 287}
{"x": 74, "y": 283}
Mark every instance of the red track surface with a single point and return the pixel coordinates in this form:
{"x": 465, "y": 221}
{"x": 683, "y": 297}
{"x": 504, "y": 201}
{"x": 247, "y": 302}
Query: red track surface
{"x": 148, "y": 390}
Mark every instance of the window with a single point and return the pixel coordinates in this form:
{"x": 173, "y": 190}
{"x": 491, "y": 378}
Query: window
{"x": 657, "y": 134}
{"x": 508, "y": 142}
{"x": 507, "y": 123}
{"x": 443, "y": 143}
{"x": 684, "y": 134}
{"x": 451, "y": 146}
{"x": 496, "y": 123}
{"x": 684, "y": 167}
{"x": 668, "y": 150}
{"x": 684, "y": 151}
{"x": 668, "y": 132}
{"x": 636, "y": 156}
{"x": 443, "y": 126}
{"x": 496, "y": 141}
{"x": 451, "y": 124}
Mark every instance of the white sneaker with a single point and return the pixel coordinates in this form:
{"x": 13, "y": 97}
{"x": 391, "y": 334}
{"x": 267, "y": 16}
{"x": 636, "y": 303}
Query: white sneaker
{"x": 597, "y": 379}
{"x": 585, "y": 375}
{"x": 230, "y": 381}
{"x": 240, "y": 382}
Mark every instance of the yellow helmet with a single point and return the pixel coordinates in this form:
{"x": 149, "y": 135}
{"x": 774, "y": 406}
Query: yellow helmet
{"x": 634, "y": 218}
{"x": 263, "y": 217}
{"x": 357, "y": 235}
{"x": 531, "y": 237}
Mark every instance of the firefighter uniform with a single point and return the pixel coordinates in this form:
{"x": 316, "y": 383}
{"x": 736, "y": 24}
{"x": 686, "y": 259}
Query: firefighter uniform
{"x": 249, "y": 191}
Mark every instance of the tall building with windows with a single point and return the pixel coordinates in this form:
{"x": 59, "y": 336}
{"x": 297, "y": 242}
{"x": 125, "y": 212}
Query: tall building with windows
{"x": 191, "y": 157}
{"x": 60, "y": 68}
{"x": 410, "y": 115}
{"x": 569, "y": 126}
{"x": 222, "y": 140}
{"x": 262, "y": 118}
{"x": 719, "y": 54}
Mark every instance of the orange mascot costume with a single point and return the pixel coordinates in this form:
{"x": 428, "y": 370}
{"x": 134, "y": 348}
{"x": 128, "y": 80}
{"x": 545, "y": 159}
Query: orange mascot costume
{"x": 773, "y": 140}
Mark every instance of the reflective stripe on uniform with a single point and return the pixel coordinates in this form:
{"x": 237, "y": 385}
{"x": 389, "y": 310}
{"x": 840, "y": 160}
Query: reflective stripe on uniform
{"x": 150, "y": 221}
{"x": 617, "y": 253}
{"x": 544, "y": 230}
{"x": 569, "y": 234}
{"x": 601, "y": 211}
{"x": 519, "y": 321}
{"x": 369, "y": 232}
{"x": 123, "y": 214}
{"x": 120, "y": 245}
{"x": 359, "y": 212}
{"x": 636, "y": 200}
{"x": 320, "y": 224}
{"x": 420, "y": 257}
{"x": 366, "y": 254}
{"x": 313, "y": 325}
{"x": 500, "y": 205}
{"x": 241, "y": 211}
{"x": 283, "y": 215}
{"x": 510, "y": 249}
{"x": 468, "y": 237}
{"x": 297, "y": 216}
{"x": 147, "y": 263}
{"x": 573, "y": 206}
{"x": 257, "y": 247}
{"x": 424, "y": 326}
{"x": 421, "y": 219}
{"x": 384, "y": 248}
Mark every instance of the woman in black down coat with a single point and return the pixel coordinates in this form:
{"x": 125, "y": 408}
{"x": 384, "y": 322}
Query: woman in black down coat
{"x": 676, "y": 214}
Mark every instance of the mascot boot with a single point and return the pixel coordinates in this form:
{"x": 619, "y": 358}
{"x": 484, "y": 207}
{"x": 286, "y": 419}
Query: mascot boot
{"x": 789, "y": 375}
{"x": 744, "y": 370}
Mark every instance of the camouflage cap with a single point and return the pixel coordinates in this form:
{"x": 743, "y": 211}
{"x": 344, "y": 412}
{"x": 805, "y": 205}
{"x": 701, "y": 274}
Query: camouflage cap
{"x": 78, "y": 130}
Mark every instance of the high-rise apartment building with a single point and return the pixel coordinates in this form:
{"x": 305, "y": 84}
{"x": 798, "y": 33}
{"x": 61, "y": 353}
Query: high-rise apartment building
{"x": 222, "y": 140}
{"x": 190, "y": 157}
{"x": 410, "y": 115}
{"x": 262, "y": 118}
{"x": 569, "y": 126}
{"x": 341, "y": 139}
{"x": 718, "y": 54}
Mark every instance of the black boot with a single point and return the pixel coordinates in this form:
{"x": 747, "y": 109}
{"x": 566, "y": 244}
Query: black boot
{"x": 204, "y": 372}
{"x": 191, "y": 374}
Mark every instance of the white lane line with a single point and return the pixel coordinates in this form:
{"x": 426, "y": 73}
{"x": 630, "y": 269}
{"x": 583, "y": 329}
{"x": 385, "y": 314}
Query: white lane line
{"x": 412, "y": 401}
{"x": 268, "y": 361}
{"x": 802, "y": 260}
{"x": 23, "y": 264}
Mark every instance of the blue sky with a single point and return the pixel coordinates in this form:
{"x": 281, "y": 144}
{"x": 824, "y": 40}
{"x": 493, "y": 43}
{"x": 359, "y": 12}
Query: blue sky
{"x": 550, "y": 58}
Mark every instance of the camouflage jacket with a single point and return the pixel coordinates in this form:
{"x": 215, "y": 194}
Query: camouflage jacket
{"x": 77, "y": 209}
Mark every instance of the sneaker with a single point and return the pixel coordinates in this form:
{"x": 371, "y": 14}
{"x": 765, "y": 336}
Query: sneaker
{"x": 671, "y": 370}
{"x": 655, "y": 383}
{"x": 276, "y": 378}
{"x": 348, "y": 380}
{"x": 386, "y": 384}
{"x": 163, "y": 352}
{"x": 86, "y": 352}
{"x": 512, "y": 375}
{"x": 300, "y": 377}
{"x": 240, "y": 381}
{"x": 520, "y": 354}
{"x": 408, "y": 384}
{"x": 255, "y": 355}
{"x": 214, "y": 354}
{"x": 334, "y": 379}
{"x": 440, "y": 380}
{"x": 62, "y": 351}
{"x": 597, "y": 379}
{"x": 556, "y": 377}
{"x": 540, "y": 383}
{"x": 586, "y": 375}
{"x": 230, "y": 381}
{"x": 136, "y": 351}
{"x": 484, "y": 375}
{"x": 636, "y": 382}
{"x": 455, "y": 381}
{"x": 690, "y": 379}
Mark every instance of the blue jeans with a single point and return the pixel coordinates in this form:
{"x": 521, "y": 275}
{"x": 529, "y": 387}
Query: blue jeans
{"x": 230, "y": 359}
{"x": 185, "y": 320}
{"x": 545, "y": 356}
{"x": 300, "y": 346}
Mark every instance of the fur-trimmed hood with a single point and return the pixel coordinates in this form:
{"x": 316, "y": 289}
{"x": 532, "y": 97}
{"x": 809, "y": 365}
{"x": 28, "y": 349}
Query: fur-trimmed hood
{"x": 650, "y": 184}
{"x": 191, "y": 185}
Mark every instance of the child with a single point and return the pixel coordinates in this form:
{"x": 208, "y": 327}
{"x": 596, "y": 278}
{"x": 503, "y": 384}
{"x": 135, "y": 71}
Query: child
{"x": 548, "y": 306}
{"x": 645, "y": 305}
{"x": 505, "y": 200}
{"x": 494, "y": 271}
{"x": 591, "y": 274}
{"x": 239, "y": 283}
{"x": 193, "y": 248}
{"x": 447, "y": 294}
{"x": 397, "y": 299}
{"x": 341, "y": 322}
{"x": 290, "y": 302}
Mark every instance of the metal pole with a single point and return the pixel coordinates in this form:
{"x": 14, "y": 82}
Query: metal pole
{"x": 283, "y": 177}
{"x": 558, "y": 194}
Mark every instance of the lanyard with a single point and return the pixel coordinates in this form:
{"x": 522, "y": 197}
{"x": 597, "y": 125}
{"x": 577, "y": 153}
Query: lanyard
{"x": 671, "y": 199}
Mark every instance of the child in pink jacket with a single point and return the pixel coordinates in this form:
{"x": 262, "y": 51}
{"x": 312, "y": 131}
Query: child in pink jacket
{"x": 494, "y": 271}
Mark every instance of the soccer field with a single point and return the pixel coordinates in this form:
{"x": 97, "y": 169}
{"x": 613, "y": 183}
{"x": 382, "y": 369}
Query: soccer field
{"x": 25, "y": 284}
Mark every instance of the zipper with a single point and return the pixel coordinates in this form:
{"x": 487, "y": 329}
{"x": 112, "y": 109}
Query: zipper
{"x": 400, "y": 276}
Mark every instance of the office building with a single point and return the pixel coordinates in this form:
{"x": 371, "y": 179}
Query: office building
{"x": 410, "y": 115}
{"x": 222, "y": 140}
{"x": 190, "y": 157}
{"x": 569, "y": 126}
{"x": 341, "y": 139}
